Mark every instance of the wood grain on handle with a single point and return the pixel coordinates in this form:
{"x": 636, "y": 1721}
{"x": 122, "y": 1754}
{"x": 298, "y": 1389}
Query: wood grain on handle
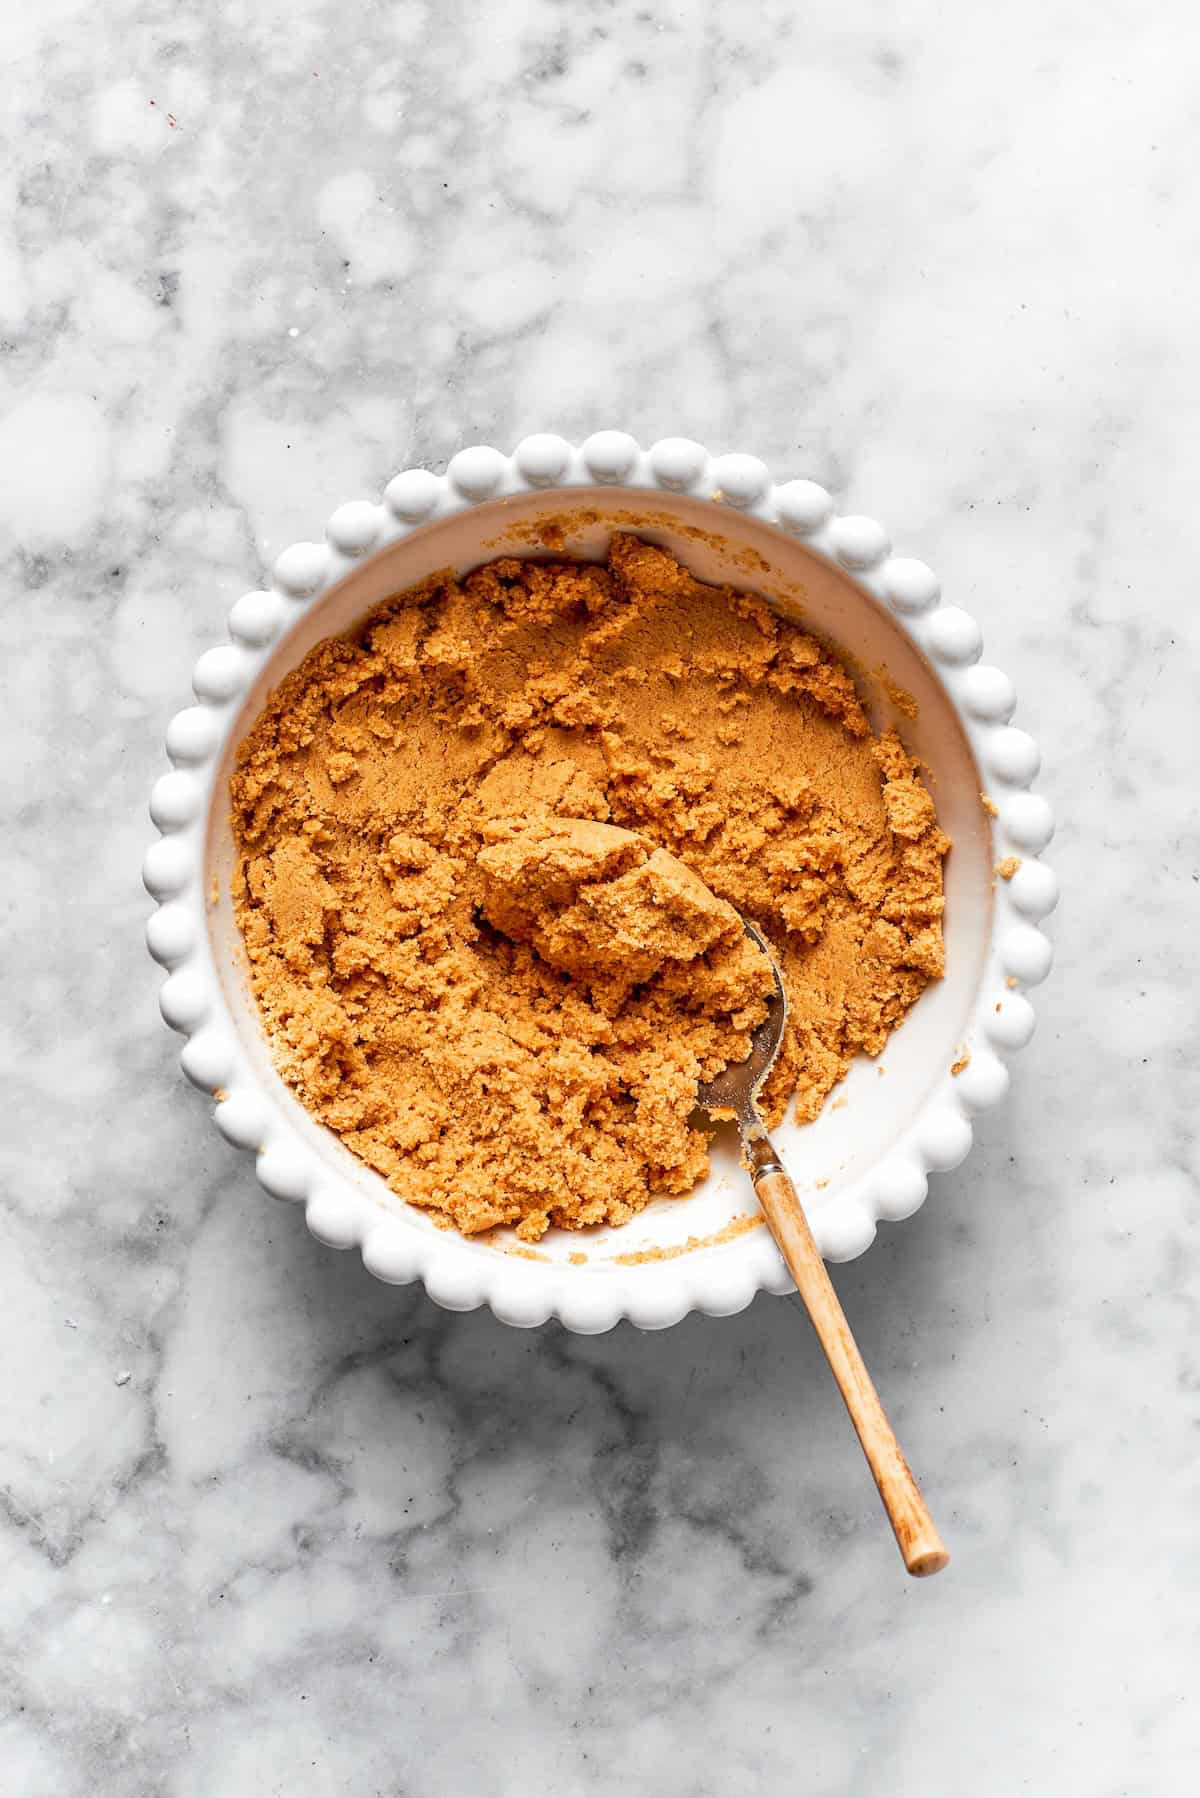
{"x": 923, "y": 1549}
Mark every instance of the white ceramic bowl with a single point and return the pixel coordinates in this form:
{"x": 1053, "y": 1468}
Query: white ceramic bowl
{"x": 861, "y": 1161}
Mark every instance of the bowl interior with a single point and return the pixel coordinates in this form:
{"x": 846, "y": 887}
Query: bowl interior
{"x": 717, "y": 544}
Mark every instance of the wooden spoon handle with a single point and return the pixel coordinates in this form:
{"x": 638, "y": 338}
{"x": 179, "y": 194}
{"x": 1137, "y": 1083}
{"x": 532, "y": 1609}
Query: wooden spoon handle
{"x": 923, "y": 1549}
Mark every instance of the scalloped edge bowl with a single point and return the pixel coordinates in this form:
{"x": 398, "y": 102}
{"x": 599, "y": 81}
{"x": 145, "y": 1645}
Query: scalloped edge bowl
{"x": 869, "y": 1156}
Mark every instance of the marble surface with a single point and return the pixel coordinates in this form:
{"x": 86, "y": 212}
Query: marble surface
{"x": 268, "y": 1527}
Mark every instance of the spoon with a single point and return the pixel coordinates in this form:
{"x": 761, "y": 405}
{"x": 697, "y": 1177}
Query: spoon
{"x": 736, "y": 1090}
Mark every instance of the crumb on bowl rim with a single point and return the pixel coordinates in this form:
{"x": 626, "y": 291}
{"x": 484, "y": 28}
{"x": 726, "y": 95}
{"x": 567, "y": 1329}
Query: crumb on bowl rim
{"x": 657, "y": 1293}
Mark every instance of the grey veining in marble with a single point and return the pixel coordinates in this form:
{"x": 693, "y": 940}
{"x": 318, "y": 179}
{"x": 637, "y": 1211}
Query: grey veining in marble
{"x": 324, "y": 1539}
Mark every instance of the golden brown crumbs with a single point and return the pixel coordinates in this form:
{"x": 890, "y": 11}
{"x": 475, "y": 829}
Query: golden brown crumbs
{"x": 1008, "y": 867}
{"x": 737, "y": 1226}
{"x": 989, "y": 806}
{"x": 959, "y": 1066}
{"x": 900, "y": 697}
{"x": 489, "y": 903}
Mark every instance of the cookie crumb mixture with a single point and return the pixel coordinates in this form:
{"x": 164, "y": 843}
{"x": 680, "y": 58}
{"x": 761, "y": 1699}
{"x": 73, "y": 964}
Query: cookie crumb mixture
{"x": 491, "y": 853}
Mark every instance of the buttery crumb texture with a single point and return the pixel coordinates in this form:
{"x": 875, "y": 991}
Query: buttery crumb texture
{"x": 491, "y": 853}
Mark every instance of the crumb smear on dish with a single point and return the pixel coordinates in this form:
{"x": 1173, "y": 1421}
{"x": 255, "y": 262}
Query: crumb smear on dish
{"x": 737, "y": 1226}
{"x": 459, "y": 836}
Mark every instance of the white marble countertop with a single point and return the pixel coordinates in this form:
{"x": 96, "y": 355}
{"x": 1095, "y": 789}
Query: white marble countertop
{"x": 269, "y": 1527}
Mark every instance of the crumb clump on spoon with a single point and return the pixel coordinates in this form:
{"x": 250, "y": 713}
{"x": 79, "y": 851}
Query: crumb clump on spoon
{"x": 491, "y": 853}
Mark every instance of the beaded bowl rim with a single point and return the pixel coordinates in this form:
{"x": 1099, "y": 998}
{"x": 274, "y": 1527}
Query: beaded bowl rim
{"x": 655, "y": 1294}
